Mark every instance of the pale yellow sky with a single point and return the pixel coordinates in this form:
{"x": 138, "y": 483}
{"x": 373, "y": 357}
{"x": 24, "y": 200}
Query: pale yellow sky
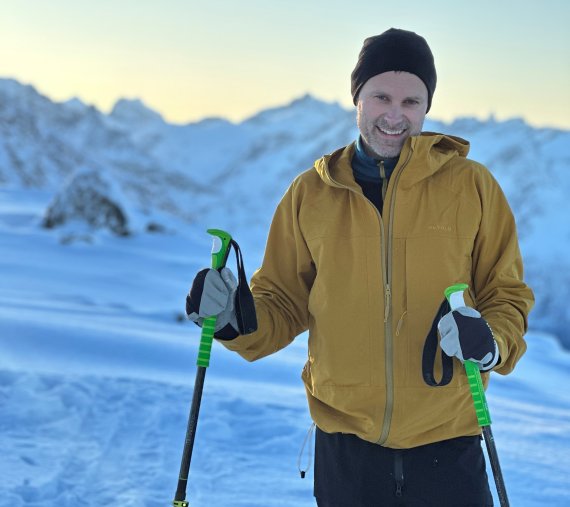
{"x": 192, "y": 59}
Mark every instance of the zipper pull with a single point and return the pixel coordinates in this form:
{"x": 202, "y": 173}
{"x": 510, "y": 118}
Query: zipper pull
{"x": 399, "y": 472}
{"x": 388, "y": 297}
{"x": 384, "y": 180}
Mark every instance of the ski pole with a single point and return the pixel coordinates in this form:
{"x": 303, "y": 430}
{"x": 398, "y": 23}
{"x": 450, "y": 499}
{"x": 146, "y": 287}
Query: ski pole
{"x": 220, "y": 251}
{"x": 454, "y": 295}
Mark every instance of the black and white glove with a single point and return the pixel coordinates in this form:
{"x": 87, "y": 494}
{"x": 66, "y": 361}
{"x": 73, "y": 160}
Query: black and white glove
{"x": 213, "y": 294}
{"x": 467, "y": 336}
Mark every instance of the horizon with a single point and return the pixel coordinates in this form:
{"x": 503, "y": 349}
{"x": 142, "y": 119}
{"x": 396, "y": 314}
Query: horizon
{"x": 491, "y": 117}
{"x": 190, "y": 61}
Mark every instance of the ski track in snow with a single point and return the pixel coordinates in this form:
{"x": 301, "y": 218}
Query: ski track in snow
{"x": 96, "y": 441}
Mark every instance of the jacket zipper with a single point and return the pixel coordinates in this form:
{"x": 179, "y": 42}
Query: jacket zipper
{"x": 388, "y": 338}
{"x": 386, "y": 259}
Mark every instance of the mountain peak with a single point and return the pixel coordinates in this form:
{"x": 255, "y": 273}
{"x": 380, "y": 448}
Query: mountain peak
{"x": 134, "y": 111}
{"x": 306, "y": 105}
{"x": 12, "y": 88}
{"x": 75, "y": 104}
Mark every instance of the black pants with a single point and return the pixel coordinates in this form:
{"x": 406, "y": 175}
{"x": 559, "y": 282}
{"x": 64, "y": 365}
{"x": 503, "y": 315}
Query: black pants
{"x": 350, "y": 472}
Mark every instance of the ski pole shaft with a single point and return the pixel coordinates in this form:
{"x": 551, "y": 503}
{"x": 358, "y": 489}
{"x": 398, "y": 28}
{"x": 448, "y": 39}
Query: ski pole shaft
{"x": 495, "y": 466}
{"x": 180, "y": 496}
{"x": 220, "y": 251}
{"x": 454, "y": 295}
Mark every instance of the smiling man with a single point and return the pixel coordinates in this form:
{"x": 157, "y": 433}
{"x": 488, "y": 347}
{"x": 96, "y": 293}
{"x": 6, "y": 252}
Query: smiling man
{"x": 360, "y": 250}
{"x": 391, "y": 108}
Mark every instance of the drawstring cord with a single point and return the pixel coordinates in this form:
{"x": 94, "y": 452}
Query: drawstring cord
{"x": 308, "y": 440}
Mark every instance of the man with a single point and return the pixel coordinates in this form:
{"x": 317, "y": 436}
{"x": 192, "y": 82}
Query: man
{"x": 360, "y": 250}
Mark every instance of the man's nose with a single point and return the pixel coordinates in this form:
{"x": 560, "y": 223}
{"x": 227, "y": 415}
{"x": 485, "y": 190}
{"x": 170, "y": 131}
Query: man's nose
{"x": 394, "y": 113}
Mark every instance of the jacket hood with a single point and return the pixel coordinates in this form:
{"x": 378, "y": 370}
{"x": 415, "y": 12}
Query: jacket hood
{"x": 423, "y": 156}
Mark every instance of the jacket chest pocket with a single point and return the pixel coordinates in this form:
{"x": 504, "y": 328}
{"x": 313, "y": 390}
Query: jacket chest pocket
{"x": 433, "y": 263}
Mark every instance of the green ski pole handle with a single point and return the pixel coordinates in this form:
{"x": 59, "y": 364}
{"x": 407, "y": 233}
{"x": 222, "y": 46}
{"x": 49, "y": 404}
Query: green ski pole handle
{"x": 454, "y": 295}
{"x": 220, "y": 250}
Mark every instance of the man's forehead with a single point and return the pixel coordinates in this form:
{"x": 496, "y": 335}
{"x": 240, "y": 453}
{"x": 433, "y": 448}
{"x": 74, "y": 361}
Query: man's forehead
{"x": 397, "y": 82}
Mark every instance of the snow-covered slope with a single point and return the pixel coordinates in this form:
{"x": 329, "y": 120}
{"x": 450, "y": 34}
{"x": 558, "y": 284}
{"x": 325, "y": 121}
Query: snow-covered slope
{"x": 97, "y": 370}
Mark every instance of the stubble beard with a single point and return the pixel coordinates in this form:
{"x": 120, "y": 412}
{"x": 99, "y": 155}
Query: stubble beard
{"x": 383, "y": 148}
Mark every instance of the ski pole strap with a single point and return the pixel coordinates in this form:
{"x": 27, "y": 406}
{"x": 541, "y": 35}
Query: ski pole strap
{"x": 244, "y": 304}
{"x": 430, "y": 351}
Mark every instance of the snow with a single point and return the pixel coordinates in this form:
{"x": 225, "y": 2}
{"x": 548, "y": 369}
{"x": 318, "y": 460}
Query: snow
{"x": 97, "y": 370}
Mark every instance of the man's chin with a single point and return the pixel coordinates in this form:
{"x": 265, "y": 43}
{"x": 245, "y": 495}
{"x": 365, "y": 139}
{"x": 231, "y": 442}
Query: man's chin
{"x": 383, "y": 151}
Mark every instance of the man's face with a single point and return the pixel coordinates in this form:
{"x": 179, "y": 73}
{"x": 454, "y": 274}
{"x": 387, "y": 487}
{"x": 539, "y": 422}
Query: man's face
{"x": 391, "y": 107}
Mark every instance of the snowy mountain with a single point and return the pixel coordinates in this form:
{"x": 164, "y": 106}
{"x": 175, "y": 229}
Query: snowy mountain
{"x": 44, "y": 144}
{"x": 230, "y": 175}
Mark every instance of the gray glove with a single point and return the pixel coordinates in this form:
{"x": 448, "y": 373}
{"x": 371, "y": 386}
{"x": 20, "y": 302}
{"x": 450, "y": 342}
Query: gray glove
{"x": 467, "y": 336}
{"x": 213, "y": 293}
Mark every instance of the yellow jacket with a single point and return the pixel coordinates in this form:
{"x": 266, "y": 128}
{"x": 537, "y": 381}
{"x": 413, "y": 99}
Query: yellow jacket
{"x": 367, "y": 287}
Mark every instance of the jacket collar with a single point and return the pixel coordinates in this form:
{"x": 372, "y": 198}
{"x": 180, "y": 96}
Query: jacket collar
{"x": 422, "y": 156}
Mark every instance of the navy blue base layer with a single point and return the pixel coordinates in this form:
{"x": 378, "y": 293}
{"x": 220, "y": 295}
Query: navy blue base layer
{"x": 350, "y": 472}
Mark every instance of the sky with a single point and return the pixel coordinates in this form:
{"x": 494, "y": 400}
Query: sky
{"x": 192, "y": 59}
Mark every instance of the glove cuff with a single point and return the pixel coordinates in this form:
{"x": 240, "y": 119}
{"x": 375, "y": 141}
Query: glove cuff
{"x": 494, "y": 360}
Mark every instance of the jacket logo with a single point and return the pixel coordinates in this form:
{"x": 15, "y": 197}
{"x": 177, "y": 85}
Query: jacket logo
{"x": 439, "y": 228}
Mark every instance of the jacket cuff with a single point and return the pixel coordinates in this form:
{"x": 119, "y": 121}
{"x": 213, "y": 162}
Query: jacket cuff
{"x": 226, "y": 333}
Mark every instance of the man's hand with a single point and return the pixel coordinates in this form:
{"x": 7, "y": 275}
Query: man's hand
{"x": 467, "y": 336}
{"x": 213, "y": 294}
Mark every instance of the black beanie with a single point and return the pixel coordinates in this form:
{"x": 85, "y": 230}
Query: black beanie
{"x": 397, "y": 50}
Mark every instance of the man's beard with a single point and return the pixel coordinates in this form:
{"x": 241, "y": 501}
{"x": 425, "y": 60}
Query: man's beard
{"x": 382, "y": 147}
